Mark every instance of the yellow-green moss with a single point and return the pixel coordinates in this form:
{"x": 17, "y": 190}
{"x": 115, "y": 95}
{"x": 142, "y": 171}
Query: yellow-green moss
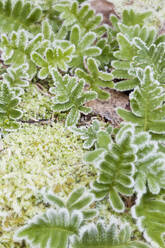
{"x": 34, "y": 158}
{"x": 35, "y": 104}
{"x": 156, "y": 6}
{"x": 38, "y": 158}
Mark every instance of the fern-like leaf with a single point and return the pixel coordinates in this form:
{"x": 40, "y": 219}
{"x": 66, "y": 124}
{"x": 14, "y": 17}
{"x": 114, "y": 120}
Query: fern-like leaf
{"x": 103, "y": 142}
{"x": 153, "y": 55}
{"x": 128, "y": 51}
{"x": 106, "y": 55}
{"x": 8, "y": 111}
{"x": 17, "y": 47}
{"x": 94, "y": 135}
{"x": 17, "y": 78}
{"x": 131, "y": 18}
{"x": 150, "y": 215}
{"x": 54, "y": 58}
{"x": 70, "y": 96}
{"x": 88, "y": 134}
{"x": 79, "y": 199}
{"x": 130, "y": 25}
{"x": 150, "y": 170}
{"x": 84, "y": 16}
{"x": 47, "y": 31}
{"x": 83, "y": 47}
{"x": 18, "y": 14}
{"x": 116, "y": 171}
{"x": 96, "y": 78}
{"x": 148, "y": 110}
{"x": 52, "y": 36}
{"x": 99, "y": 236}
{"x": 54, "y": 229}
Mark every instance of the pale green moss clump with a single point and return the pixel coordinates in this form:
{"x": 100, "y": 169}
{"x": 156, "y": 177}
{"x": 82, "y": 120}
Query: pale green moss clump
{"x": 35, "y": 104}
{"x": 37, "y": 159}
{"x": 157, "y": 7}
{"x": 33, "y": 159}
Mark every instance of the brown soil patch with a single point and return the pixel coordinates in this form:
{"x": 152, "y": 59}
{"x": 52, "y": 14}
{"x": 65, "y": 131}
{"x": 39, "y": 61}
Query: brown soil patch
{"x": 107, "y": 109}
{"x": 104, "y": 7}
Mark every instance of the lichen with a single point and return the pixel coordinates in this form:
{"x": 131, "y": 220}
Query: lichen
{"x": 34, "y": 159}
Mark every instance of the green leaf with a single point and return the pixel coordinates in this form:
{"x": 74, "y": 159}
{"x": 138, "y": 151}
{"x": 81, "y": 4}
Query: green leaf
{"x": 43, "y": 73}
{"x": 99, "y": 236}
{"x": 106, "y": 55}
{"x": 18, "y": 14}
{"x": 34, "y": 16}
{"x": 55, "y": 227}
{"x": 104, "y": 139}
{"x": 38, "y": 60}
{"x": 55, "y": 200}
{"x": 93, "y": 156}
{"x": 58, "y": 107}
{"x": 47, "y": 31}
{"x": 75, "y": 35}
{"x": 115, "y": 200}
{"x": 93, "y": 135}
{"x": 88, "y": 134}
{"x": 8, "y": 110}
{"x": 150, "y": 173}
{"x": 116, "y": 170}
{"x": 70, "y": 96}
{"x": 150, "y": 215}
{"x": 127, "y": 49}
{"x": 89, "y": 214}
{"x": 130, "y": 18}
{"x": 16, "y": 77}
{"x": 84, "y": 16}
{"x": 15, "y": 114}
{"x": 84, "y": 46}
{"x": 132, "y": 55}
{"x": 96, "y": 78}
{"x": 79, "y": 199}
{"x": 129, "y": 117}
{"x": 72, "y": 117}
{"x": 147, "y": 104}
{"x": 150, "y": 55}
{"x": 54, "y": 58}
{"x": 16, "y": 50}
{"x": 126, "y": 84}
{"x": 75, "y": 200}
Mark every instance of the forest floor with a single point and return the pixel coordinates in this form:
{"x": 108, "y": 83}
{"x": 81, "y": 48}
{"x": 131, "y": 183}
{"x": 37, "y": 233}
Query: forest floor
{"x": 30, "y": 149}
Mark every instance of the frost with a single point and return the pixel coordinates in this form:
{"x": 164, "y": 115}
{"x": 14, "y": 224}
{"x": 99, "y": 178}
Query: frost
{"x": 38, "y": 156}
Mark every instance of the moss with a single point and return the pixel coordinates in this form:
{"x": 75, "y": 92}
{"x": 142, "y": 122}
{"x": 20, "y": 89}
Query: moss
{"x": 157, "y": 8}
{"x": 35, "y": 104}
{"x": 39, "y": 158}
{"x": 33, "y": 159}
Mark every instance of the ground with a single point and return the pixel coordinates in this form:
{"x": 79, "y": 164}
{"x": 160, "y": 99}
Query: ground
{"x": 46, "y": 155}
